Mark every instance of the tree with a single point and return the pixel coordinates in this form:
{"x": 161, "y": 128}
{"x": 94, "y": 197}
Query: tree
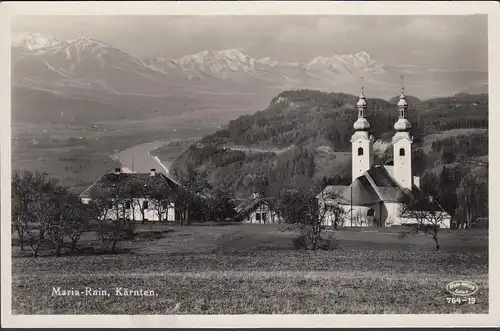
{"x": 111, "y": 208}
{"x": 194, "y": 188}
{"x": 62, "y": 207}
{"x": 472, "y": 198}
{"x": 79, "y": 221}
{"x": 21, "y": 197}
{"x": 35, "y": 207}
{"x": 298, "y": 206}
{"x": 331, "y": 211}
{"x": 218, "y": 206}
{"x": 424, "y": 212}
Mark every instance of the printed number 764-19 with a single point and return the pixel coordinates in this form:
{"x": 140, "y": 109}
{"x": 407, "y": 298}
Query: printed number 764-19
{"x": 470, "y": 301}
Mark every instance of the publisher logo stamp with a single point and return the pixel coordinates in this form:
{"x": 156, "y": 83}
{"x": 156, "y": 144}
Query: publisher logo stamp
{"x": 462, "y": 291}
{"x": 462, "y": 288}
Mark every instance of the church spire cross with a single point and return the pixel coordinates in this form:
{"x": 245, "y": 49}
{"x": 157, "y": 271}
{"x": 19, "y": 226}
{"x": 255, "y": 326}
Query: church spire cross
{"x": 402, "y": 124}
{"x": 402, "y": 86}
{"x": 362, "y": 87}
{"x": 362, "y": 123}
{"x": 402, "y": 104}
{"x": 362, "y": 102}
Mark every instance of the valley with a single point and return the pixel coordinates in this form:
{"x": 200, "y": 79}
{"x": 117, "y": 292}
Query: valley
{"x": 79, "y": 155}
{"x": 77, "y": 102}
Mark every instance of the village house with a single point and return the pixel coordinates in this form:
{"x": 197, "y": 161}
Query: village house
{"x": 136, "y": 196}
{"x": 257, "y": 210}
{"x": 375, "y": 195}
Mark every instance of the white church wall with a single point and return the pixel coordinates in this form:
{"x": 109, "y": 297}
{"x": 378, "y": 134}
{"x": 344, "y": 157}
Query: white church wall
{"x": 416, "y": 181}
{"x": 402, "y": 163}
{"x": 362, "y": 153}
{"x": 356, "y": 216}
{"x": 446, "y": 220}
{"x": 262, "y": 215}
{"x": 392, "y": 217}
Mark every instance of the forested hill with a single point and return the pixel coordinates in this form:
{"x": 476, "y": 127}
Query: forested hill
{"x": 306, "y": 134}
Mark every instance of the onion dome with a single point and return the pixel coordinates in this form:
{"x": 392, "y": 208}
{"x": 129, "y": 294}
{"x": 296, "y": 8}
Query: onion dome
{"x": 361, "y": 101}
{"x": 402, "y": 101}
{"x": 362, "y": 123}
{"x": 402, "y": 124}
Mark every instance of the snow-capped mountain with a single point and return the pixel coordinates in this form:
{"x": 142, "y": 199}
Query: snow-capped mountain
{"x": 34, "y": 41}
{"x": 86, "y": 63}
{"x": 346, "y": 63}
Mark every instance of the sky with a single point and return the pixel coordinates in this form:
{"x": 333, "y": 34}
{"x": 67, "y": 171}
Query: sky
{"x": 444, "y": 42}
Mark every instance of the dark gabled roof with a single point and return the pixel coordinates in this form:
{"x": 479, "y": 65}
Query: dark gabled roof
{"x": 426, "y": 204}
{"x": 375, "y": 185}
{"x": 249, "y": 205}
{"x": 362, "y": 192}
{"x": 381, "y": 177}
{"x": 137, "y": 184}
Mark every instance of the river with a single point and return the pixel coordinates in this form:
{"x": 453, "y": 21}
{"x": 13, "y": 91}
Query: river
{"x": 138, "y": 159}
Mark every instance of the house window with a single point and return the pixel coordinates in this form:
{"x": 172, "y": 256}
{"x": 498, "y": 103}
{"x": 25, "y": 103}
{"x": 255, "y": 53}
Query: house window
{"x": 264, "y": 218}
{"x": 401, "y": 152}
{"x": 145, "y": 205}
{"x": 164, "y": 205}
{"x": 127, "y": 205}
{"x": 110, "y": 204}
{"x": 370, "y": 212}
{"x": 257, "y": 217}
{"x": 360, "y": 151}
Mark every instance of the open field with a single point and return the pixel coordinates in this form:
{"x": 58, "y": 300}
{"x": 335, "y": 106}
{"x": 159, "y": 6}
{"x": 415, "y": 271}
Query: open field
{"x": 245, "y": 269}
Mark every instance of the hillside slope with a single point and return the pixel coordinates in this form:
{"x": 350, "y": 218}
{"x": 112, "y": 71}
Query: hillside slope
{"x": 306, "y": 134}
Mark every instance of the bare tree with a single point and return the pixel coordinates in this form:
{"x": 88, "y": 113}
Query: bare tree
{"x": 117, "y": 227}
{"x": 78, "y": 221}
{"x": 21, "y": 198}
{"x": 218, "y": 206}
{"x": 300, "y": 208}
{"x": 331, "y": 210}
{"x": 35, "y": 207}
{"x": 194, "y": 188}
{"x": 472, "y": 196}
{"x": 161, "y": 200}
{"x": 424, "y": 212}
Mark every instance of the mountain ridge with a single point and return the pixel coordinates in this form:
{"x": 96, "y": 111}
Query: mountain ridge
{"x": 313, "y": 130}
{"x": 54, "y": 64}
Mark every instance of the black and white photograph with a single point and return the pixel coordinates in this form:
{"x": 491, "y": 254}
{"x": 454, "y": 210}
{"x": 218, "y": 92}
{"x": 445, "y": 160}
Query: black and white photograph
{"x": 274, "y": 164}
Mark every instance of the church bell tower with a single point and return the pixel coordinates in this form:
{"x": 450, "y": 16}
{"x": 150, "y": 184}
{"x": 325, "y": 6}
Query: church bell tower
{"x": 402, "y": 142}
{"x": 362, "y": 141}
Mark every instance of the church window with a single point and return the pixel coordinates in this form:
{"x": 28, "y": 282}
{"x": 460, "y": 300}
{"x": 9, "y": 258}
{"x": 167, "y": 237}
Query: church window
{"x": 360, "y": 151}
{"x": 401, "y": 152}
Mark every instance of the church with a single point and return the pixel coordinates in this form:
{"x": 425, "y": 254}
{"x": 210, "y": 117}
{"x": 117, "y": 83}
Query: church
{"x": 375, "y": 194}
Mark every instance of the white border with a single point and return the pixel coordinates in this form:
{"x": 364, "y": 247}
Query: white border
{"x": 246, "y": 8}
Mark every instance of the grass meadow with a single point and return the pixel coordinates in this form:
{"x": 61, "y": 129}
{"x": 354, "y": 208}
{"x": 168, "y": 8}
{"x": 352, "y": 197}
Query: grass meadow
{"x": 253, "y": 269}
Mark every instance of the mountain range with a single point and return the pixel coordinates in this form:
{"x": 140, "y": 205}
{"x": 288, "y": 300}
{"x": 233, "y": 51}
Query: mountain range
{"x": 90, "y": 69}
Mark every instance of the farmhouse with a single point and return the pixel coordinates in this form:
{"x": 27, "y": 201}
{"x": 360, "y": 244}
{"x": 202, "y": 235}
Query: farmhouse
{"x": 257, "y": 209}
{"x": 376, "y": 193}
{"x": 136, "y": 196}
